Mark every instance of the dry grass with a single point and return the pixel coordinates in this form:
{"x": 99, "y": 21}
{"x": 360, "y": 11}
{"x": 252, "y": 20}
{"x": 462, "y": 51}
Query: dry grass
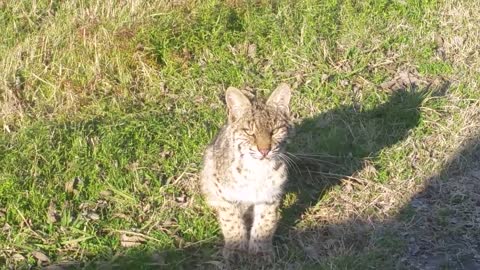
{"x": 458, "y": 39}
{"x": 74, "y": 56}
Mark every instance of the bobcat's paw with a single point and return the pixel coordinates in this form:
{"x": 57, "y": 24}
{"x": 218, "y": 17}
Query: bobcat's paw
{"x": 234, "y": 254}
{"x": 262, "y": 251}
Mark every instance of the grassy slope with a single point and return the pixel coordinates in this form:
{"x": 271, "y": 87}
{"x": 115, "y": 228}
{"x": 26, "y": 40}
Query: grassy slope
{"x": 119, "y": 102}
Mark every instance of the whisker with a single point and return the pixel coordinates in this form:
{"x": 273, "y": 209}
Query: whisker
{"x": 291, "y": 155}
{"x": 315, "y": 159}
{"x": 313, "y": 155}
{"x": 322, "y": 161}
{"x": 289, "y": 165}
{"x": 338, "y": 175}
{"x": 290, "y": 162}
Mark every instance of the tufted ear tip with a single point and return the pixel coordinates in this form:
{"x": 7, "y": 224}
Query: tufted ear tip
{"x": 281, "y": 96}
{"x": 237, "y": 102}
{"x": 284, "y": 86}
{"x": 231, "y": 91}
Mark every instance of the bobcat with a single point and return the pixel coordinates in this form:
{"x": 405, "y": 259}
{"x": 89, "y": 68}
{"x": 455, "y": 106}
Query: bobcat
{"x": 244, "y": 170}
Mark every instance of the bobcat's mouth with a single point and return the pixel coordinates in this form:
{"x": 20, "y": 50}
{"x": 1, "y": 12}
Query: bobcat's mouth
{"x": 270, "y": 156}
{"x": 258, "y": 156}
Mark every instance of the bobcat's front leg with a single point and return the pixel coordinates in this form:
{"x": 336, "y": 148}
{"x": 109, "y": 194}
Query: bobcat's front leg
{"x": 265, "y": 219}
{"x": 234, "y": 229}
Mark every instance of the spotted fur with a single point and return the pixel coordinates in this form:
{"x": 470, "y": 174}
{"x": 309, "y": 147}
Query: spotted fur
{"x": 244, "y": 171}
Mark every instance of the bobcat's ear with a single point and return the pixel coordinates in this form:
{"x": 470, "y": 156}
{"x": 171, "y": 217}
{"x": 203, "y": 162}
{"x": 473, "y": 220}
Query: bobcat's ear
{"x": 280, "y": 97}
{"x": 237, "y": 103}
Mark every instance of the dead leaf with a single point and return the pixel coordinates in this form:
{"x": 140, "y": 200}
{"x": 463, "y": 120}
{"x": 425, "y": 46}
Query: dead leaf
{"x": 299, "y": 79}
{"x": 6, "y": 227}
{"x": 101, "y": 204}
{"x": 252, "y": 51}
{"x": 120, "y": 215}
{"x": 146, "y": 208}
{"x": 93, "y": 216}
{"x": 169, "y": 223}
{"x": 325, "y": 78}
{"x": 72, "y": 185}
{"x": 86, "y": 206}
{"x": 266, "y": 64}
{"x": 6, "y": 128}
{"x": 131, "y": 241}
{"x": 52, "y": 215}
{"x": 40, "y": 256}
{"x": 440, "y": 47}
{"x": 18, "y": 257}
{"x": 133, "y": 166}
{"x": 186, "y": 54}
{"x": 165, "y": 154}
{"x": 140, "y": 47}
{"x": 181, "y": 199}
{"x": 403, "y": 80}
{"x": 344, "y": 83}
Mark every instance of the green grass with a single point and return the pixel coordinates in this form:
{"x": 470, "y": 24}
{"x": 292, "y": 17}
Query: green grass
{"x": 123, "y": 105}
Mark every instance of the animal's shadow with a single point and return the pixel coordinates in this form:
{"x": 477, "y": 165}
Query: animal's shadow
{"x": 340, "y": 142}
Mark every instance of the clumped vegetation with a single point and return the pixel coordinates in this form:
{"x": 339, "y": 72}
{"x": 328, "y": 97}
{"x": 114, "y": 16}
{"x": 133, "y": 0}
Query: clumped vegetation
{"x": 106, "y": 107}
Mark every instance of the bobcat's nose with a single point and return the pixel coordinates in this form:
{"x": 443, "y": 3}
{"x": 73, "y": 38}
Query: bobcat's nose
{"x": 264, "y": 151}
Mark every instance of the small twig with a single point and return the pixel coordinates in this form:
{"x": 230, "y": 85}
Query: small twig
{"x": 25, "y": 221}
{"x": 175, "y": 181}
{"x": 73, "y": 241}
{"x": 136, "y": 234}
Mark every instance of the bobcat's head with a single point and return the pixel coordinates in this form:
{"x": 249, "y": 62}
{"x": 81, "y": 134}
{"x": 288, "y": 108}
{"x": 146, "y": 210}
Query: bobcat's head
{"x": 260, "y": 129}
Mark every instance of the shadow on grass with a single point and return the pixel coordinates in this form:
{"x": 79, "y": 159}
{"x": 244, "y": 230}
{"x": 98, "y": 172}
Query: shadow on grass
{"x": 438, "y": 228}
{"x": 441, "y": 224}
{"x": 340, "y": 142}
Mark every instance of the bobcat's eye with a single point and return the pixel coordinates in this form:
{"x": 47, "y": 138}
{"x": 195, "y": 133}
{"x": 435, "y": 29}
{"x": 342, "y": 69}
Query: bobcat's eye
{"x": 277, "y": 130}
{"x": 249, "y": 132}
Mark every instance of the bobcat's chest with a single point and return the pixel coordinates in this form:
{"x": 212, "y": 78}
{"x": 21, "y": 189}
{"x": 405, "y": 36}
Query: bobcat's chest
{"x": 255, "y": 181}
